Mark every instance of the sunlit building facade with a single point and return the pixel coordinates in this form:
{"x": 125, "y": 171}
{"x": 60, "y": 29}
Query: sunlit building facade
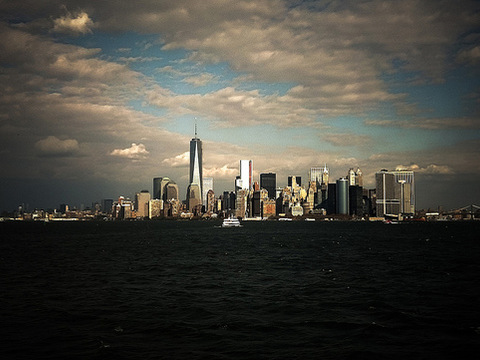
{"x": 395, "y": 192}
{"x": 245, "y": 180}
{"x": 141, "y": 203}
{"x": 207, "y": 186}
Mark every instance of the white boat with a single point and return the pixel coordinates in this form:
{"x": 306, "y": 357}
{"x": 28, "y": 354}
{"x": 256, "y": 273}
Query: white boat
{"x": 231, "y": 222}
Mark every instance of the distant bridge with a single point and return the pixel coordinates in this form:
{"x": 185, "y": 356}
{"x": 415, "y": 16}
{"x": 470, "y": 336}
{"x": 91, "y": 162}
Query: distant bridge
{"x": 471, "y": 210}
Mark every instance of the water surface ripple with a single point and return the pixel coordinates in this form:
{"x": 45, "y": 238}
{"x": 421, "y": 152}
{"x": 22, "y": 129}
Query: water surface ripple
{"x": 269, "y": 290}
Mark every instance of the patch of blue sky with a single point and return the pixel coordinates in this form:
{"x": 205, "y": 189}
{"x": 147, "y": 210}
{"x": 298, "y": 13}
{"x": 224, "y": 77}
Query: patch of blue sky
{"x": 111, "y": 44}
{"x": 185, "y": 85}
{"x": 171, "y": 69}
{"x": 223, "y": 76}
{"x": 143, "y": 53}
{"x": 346, "y": 123}
{"x": 185, "y": 125}
{"x": 186, "y": 78}
{"x": 416, "y": 139}
{"x": 142, "y": 106}
{"x": 397, "y": 138}
{"x": 267, "y": 88}
{"x": 266, "y": 136}
{"x": 446, "y": 99}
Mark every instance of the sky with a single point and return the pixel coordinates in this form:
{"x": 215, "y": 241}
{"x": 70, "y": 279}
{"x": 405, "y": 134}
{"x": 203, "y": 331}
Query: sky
{"x": 99, "y": 97}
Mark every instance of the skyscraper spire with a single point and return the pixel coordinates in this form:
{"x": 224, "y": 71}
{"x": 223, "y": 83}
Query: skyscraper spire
{"x": 196, "y": 170}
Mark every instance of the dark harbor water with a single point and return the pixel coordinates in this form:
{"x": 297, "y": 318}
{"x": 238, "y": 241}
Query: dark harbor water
{"x": 269, "y": 290}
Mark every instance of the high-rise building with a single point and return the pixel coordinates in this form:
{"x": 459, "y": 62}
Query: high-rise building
{"x": 331, "y": 201}
{"x": 322, "y": 188}
{"x": 196, "y": 169}
{"x": 164, "y": 189}
{"x": 268, "y": 181}
{"x": 256, "y": 206}
{"x": 359, "y": 177}
{"x": 342, "y": 201}
{"x": 355, "y": 177}
{"x": 171, "y": 191}
{"x": 269, "y": 208}
{"x": 241, "y": 206}
{"x": 316, "y": 174}
{"x": 107, "y": 205}
{"x": 155, "y": 207}
{"x": 245, "y": 180}
{"x": 325, "y": 173}
{"x": 207, "y": 186}
{"x": 141, "y": 203}
{"x": 156, "y": 188}
{"x": 294, "y": 181}
{"x": 122, "y": 209}
{"x": 159, "y": 184}
{"x": 356, "y": 201}
{"x": 210, "y": 205}
{"x": 395, "y": 192}
{"x": 194, "y": 198}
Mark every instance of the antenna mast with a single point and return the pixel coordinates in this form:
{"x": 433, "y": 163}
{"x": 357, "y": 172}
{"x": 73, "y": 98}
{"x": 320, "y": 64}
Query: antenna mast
{"x": 195, "y": 127}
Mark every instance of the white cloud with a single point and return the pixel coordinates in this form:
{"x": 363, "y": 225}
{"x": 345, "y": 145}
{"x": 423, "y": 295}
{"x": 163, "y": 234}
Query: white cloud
{"x": 429, "y": 123}
{"x": 347, "y": 139}
{"x": 230, "y": 107}
{"x": 182, "y": 160}
{"x": 429, "y": 169}
{"x": 200, "y": 80}
{"x": 334, "y": 60}
{"x": 56, "y": 63}
{"x": 134, "y": 152}
{"x": 221, "y": 172}
{"x": 74, "y": 24}
{"x": 53, "y": 146}
{"x": 139, "y": 59}
{"x": 470, "y": 56}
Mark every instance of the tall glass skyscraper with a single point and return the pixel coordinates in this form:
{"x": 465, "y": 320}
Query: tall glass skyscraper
{"x": 342, "y": 202}
{"x": 196, "y": 169}
{"x": 245, "y": 181}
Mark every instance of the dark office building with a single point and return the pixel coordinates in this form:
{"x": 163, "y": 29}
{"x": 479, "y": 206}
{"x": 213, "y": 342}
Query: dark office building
{"x": 228, "y": 201}
{"x": 269, "y": 182}
{"x": 107, "y": 205}
{"x": 331, "y": 200}
{"x": 356, "y": 203}
{"x": 256, "y": 208}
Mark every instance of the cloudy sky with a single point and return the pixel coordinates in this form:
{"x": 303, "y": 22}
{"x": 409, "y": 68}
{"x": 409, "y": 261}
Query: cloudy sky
{"x": 99, "y": 97}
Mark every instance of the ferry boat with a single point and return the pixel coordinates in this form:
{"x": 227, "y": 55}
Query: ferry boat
{"x": 231, "y": 222}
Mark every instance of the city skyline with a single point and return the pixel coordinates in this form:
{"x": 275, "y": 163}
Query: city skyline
{"x": 98, "y": 99}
